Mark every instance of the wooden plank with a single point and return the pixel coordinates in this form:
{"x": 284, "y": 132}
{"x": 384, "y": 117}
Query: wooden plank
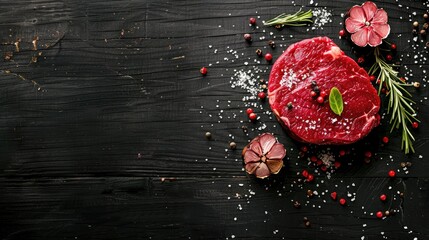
{"x": 112, "y": 101}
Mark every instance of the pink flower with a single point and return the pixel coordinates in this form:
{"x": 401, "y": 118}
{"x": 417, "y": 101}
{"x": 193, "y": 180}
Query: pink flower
{"x": 367, "y": 24}
{"x": 264, "y": 156}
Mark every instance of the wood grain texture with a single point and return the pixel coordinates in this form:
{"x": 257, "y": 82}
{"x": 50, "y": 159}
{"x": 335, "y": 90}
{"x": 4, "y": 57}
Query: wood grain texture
{"x": 102, "y": 128}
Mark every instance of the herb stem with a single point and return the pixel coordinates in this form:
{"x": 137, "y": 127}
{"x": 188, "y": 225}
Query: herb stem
{"x": 297, "y": 19}
{"x": 400, "y": 102}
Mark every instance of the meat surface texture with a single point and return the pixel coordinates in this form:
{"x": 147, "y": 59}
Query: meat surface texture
{"x": 322, "y": 61}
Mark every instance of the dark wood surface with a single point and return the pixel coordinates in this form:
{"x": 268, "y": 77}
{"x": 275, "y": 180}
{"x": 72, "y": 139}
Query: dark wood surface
{"x": 102, "y": 128}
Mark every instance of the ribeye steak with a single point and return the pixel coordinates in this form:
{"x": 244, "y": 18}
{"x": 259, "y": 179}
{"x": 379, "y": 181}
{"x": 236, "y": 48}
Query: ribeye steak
{"x": 320, "y": 61}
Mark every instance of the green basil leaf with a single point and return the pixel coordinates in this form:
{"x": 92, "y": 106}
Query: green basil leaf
{"x": 336, "y": 101}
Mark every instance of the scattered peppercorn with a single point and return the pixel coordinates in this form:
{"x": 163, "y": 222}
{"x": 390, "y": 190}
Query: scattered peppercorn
{"x": 203, "y": 71}
{"x": 304, "y": 148}
{"x": 392, "y": 173}
{"x": 307, "y": 224}
{"x": 253, "y": 116}
{"x": 316, "y": 89}
{"x": 289, "y": 105}
{"x": 393, "y": 46}
{"x": 342, "y": 153}
{"x": 232, "y": 145}
{"x": 427, "y": 44}
{"x": 425, "y": 16}
{"x": 247, "y": 37}
{"x": 416, "y": 84}
{"x": 385, "y": 139}
{"x": 259, "y": 52}
{"x": 296, "y": 204}
{"x": 337, "y": 164}
{"x": 361, "y": 60}
{"x": 408, "y": 164}
{"x": 264, "y": 86}
{"x": 379, "y": 214}
{"x": 304, "y": 173}
{"x": 310, "y": 178}
{"x": 208, "y": 135}
{"x": 278, "y": 26}
{"x": 414, "y": 31}
{"x": 401, "y": 195}
{"x": 268, "y": 57}
{"x": 425, "y": 26}
{"x": 334, "y": 195}
{"x": 415, "y": 24}
{"x": 383, "y": 197}
{"x": 423, "y": 32}
{"x": 403, "y": 164}
{"x": 271, "y": 43}
{"x": 320, "y": 99}
{"x": 342, "y": 33}
{"x": 262, "y": 95}
{"x": 313, "y": 94}
{"x": 368, "y": 154}
{"x": 389, "y": 57}
{"x": 343, "y": 201}
{"x": 252, "y": 21}
{"x": 415, "y": 124}
{"x": 8, "y": 56}
{"x": 309, "y": 193}
{"x": 249, "y": 111}
{"x": 387, "y": 213}
{"x": 244, "y": 128}
{"x": 372, "y": 78}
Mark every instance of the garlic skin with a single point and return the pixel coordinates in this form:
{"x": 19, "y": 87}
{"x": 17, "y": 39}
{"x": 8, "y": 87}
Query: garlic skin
{"x": 367, "y": 24}
{"x": 263, "y": 156}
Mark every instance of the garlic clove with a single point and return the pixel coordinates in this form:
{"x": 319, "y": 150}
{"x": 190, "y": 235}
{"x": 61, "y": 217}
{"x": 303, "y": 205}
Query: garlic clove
{"x": 251, "y": 167}
{"x": 369, "y": 8}
{"x": 255, "y": 146}
{"x": 374, "y": 39}
{"x": 360, "y": 37}
{"x": 353, "y": 25}
{"x": 278, "y": 151}
{"x": 267, "y": 141}
{"x": 275, "y": 165}
{"x": 262, "y": 171}
{"x": 380, "y": 17}
{"x": 357, "y": 13}
{"x": 382, "y": 30}
{"x": 250, "y": 156}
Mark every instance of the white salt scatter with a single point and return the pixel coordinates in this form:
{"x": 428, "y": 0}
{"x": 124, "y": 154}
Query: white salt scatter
{"x": 321, "y": 17}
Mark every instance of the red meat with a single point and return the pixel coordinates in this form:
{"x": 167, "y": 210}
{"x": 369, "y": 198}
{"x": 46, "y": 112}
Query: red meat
{"x": 321, "y": 61}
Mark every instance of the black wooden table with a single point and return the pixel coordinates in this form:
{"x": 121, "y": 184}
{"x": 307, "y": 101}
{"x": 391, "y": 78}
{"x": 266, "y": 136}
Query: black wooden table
{"x": 104, "y": 112}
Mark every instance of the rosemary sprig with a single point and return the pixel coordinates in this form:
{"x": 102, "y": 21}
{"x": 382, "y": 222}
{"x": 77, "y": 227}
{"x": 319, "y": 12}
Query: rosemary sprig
{"x": 399, "y": 99}
{"x": 299, "y": 18}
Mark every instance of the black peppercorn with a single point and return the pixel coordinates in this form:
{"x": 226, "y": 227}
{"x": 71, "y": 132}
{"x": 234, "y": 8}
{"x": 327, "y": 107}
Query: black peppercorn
{"x": 259, "y": 52}
{"x": 289, "y": 105}
{"x": 208, "y": 135}
{"x": 296, "y": 204}
{"x": 272, "y": 43}
{"x": 232, "y": 145}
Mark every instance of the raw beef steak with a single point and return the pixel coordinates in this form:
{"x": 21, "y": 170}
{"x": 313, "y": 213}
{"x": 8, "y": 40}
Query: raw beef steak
{"x": 319, "y": 60}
